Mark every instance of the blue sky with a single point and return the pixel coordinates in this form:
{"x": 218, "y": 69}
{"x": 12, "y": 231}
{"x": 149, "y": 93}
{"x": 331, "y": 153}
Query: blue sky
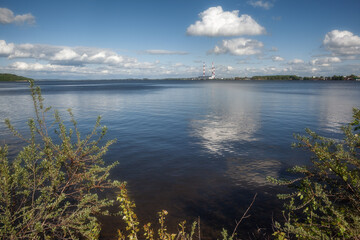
{"x": 96, "y": 39}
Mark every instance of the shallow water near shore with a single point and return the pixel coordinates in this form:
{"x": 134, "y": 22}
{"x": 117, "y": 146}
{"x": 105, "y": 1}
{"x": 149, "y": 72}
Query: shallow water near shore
{"x": 195, "y": 148}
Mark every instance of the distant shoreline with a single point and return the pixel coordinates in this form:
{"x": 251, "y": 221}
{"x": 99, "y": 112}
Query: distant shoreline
{"x": 6, "y": 77}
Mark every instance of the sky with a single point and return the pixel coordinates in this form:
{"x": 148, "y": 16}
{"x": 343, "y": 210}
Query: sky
{"x": 93, "y": 39}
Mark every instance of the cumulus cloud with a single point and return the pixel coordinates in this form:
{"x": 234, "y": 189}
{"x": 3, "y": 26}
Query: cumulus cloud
{"x": 296, "y": 61}
{"x": 57, "y": 70}
{"x": 325, "y": 62}
{"x": 6, "y": 49}
{"x": 51, "y": 69}
{"x": 342, "y": 43}
{"x": 238, "y": 47}
{"x": 277, "y": 59}
{"x": 164, "y": 52}
{"x": 230, "y": 68}
{"x": 7, "y": 16}
{"x": 262, "y": 4}
{"x": 70, "y": 60}
{"x": 325, "y": 66}
{"x": 28, "y": 66}
{"x": 39, "y": 60}
{"x": 216, "y": 22}
{"x": 63, "y": 55}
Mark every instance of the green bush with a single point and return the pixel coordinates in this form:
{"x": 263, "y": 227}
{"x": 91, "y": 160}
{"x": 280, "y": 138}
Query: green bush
{"x": 325, "y": 203}
{"x": 50, "y": 190}
{"x": 132, "y": 231}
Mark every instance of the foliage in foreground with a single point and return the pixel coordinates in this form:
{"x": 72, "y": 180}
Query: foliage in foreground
{"x": 132, "y": 230}
{"x": 326, "y": 201}
{"x": 50, "y": 190}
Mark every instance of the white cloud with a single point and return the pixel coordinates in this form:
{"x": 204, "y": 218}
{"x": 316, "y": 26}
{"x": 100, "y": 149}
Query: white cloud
{"x": 262, "y": 4}
{"x": 342, "y": 43}
{"x": 239, "y": 46}
{"x": 27, "y": 66}
{"x": 296, "y": 61}
{"x": 80, "y": 70}
{"x": 114, "y": 59}
{"x": 6, "y": 49}
{"x": 7, "y": 16}
{"x": 164, "y": 52}
{"x": 50, "y": 61}
{"x": 302, "y": 69}
{"x": 277, "y": 59}
{"x": 63, "y": 55}
{"x": 216, "y": 22}
{"x": 78, "y": 61}
{"x": 98, "y": 57}
{"x": 325, "y": 62}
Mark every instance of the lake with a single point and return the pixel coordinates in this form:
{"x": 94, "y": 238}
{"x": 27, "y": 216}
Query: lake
{"x": 195, "y": 148}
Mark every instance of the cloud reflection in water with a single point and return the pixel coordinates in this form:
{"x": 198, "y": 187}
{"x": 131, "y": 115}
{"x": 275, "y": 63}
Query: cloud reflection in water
{"x": 217, "y": 134}
{"x": 233, "y": 117}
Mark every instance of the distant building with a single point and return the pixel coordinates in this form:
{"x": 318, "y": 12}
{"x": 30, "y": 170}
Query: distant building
{"x": 212, "y": 71}
{"x": 204, "y": 77}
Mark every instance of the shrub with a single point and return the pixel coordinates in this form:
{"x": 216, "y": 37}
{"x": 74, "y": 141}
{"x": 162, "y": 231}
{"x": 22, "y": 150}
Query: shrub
{"x": 50, "y": 190}
{"x": 325, "y": 203}
{"x": 132, "y": 230}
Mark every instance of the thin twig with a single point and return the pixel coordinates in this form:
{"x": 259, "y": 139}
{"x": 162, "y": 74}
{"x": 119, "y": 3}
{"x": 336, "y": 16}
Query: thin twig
{"x": 244, "y": 215}
{"x": 199, "y": 227}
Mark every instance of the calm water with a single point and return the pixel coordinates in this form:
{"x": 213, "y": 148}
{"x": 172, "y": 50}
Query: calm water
{"x": 196, "y": 148}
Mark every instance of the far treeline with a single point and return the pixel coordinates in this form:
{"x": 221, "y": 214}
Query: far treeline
{"x": 351, "y": 77}
{"x": 7, "y": 77}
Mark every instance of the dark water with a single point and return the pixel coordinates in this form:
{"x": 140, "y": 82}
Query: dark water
{"x": 196, "y": 148}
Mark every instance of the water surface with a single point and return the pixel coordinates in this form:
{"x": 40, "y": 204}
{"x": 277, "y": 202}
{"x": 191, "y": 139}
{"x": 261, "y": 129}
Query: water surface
{"x": 195, "y": 148}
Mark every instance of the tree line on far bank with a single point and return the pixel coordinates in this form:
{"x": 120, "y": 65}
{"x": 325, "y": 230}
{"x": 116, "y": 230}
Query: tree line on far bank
{"x": 351, "y": 77}
{"x": 7, "y": 77}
